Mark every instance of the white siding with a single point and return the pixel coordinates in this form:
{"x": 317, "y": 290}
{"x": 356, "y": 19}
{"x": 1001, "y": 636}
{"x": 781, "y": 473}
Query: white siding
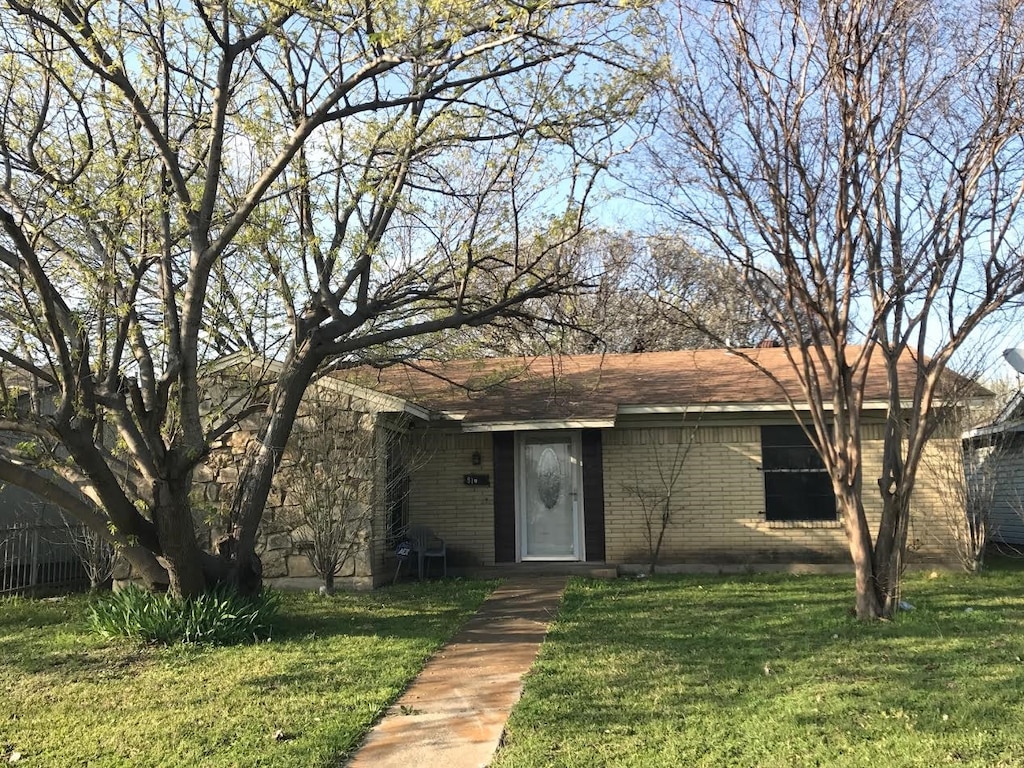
{"x": 1006, "y": 462}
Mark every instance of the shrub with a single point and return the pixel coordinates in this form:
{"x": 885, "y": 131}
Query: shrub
{"x": 219, "y": 617}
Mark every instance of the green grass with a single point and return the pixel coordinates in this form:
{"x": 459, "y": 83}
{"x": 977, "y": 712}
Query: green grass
{"x": 71, "y": 698}
{"x": 767, "y": 671}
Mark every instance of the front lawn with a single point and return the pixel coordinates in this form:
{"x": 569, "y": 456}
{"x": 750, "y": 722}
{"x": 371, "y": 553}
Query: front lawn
{"x": 70, "y": 698}
{"x": 766, "y": 671}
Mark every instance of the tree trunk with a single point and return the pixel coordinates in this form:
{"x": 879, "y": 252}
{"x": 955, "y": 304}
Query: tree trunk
{"x": 257, "y": 473}
{"x": 895, "y": 485}
{"x": 858, "y": 537}
{"x": 181, "y": 554}
{"x": 890, "y": 549}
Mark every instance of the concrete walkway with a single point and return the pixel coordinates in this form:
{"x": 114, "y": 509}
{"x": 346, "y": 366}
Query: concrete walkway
{"x": 453, "y": 715}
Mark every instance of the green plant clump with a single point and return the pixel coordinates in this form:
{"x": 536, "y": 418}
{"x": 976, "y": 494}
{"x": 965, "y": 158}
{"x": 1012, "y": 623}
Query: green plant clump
{"x": 335, "y": 665}
{"x": 219, "y": 617}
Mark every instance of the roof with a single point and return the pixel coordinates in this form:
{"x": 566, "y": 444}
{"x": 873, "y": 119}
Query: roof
{"x": 18, "y": 381}
{"x": 591, "y": 390}
{"x": 1009, "y": 420}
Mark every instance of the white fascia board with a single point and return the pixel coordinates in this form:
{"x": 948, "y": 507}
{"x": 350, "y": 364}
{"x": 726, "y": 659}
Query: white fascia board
{"x": 656, "y": 410}
{"x": 994, "y": 429}
{"x": 451, "y": 415}
{"x": 1012, "y": 405}
{"x": 525, "y": 426}
{"x": 645, "y": 410}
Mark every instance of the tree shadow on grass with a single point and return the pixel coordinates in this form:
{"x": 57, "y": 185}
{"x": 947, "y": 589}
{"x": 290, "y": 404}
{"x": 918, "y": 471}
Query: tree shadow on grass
{"x": 407, "y": 612}
{"x": 52, "y": 637}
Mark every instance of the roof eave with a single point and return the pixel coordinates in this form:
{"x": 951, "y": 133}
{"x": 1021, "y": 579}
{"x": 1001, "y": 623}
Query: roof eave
{"x": 994, "y": 429}
{"x": 387, "y": 403}
{"x": 735, "y": 407}
{"x": 536, "y": 424}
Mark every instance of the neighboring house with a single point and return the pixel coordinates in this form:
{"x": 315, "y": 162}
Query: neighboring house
{"x": 996, "y": 472}
{"x": 35, "y": 540}
{"x": 16, "y": 504}
{"x": 20, "y": 506}
{"x": 553, "y": 459}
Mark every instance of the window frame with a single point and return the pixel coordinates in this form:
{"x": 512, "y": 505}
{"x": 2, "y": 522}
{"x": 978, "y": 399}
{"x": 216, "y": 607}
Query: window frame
{"x": 797, "y": 487}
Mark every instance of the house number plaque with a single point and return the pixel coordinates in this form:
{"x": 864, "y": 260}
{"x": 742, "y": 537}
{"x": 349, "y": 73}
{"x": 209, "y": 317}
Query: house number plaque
{"x": 477, "y": 479}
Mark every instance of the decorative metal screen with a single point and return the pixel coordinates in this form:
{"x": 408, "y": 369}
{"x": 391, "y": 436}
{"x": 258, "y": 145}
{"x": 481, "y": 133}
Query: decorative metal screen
{"x": 796, "y": 484}
{"x": 396, "y": 486}
{"x": 549, "y": 508}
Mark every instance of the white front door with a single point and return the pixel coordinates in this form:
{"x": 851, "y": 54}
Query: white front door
{"x": 548, "y": 496}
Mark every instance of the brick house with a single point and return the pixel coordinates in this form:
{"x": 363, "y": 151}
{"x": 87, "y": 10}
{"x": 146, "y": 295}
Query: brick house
{"x": 554, "y": 460}
{"x": 559, "y": 462}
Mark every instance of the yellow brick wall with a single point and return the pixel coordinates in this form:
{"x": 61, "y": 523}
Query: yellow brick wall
{"x": 720, "y": 511}
{"x": 938, "y": 501}
{"x": 462, "y": 515}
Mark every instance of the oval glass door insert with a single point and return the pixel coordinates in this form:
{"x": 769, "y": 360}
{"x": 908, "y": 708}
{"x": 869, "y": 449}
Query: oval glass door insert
{"x": 549, "y": 477}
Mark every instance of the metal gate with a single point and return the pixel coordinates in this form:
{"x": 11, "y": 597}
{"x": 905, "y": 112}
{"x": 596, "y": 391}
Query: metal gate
{"x": 36, "y": 559}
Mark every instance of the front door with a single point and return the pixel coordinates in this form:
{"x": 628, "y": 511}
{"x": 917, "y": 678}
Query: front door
{"x": 548, "y": 496}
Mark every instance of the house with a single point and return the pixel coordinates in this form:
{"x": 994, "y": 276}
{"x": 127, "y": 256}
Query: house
{"x": 995, "y": 473}
{"x": 17, "y": 505}
{"x": 560, "y": 462}
{"x": 36, "y": 541}
{"x": 572, "y": 460}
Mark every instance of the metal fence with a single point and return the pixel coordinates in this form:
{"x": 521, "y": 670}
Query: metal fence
{"x": 38, "y": 559}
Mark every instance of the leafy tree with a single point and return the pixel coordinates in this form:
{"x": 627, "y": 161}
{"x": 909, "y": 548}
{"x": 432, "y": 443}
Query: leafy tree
{"x": 866, "y": 161}
{"x": 314, "y": 183}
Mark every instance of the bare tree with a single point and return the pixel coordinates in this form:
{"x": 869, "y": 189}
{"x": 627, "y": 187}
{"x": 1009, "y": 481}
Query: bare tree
{"x": 658, "y": 489}
{"x": 350, "y": 469}
{"x": 968, "y": 480}
{"x": 864, "y": 163}
{"x": 96, "y": 554}
{"x": 658, "y": 293}
{"x": 970, "y": 487}
{"x": 315, "y": 184}
{"x": 634, "y": 293}
{"x": 333, "y": 509}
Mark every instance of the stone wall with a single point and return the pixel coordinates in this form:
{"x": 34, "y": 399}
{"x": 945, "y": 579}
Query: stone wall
{"x": 337, "y": 436}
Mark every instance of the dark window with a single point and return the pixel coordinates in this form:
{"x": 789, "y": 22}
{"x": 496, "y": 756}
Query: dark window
{"x": 796, "y": 485}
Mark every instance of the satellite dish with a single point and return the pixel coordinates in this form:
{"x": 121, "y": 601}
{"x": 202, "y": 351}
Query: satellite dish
{"x": 1015, "y": 357}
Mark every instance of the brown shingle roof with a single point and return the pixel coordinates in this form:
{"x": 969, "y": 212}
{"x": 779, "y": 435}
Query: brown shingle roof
{"x": 596, "y": 386}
